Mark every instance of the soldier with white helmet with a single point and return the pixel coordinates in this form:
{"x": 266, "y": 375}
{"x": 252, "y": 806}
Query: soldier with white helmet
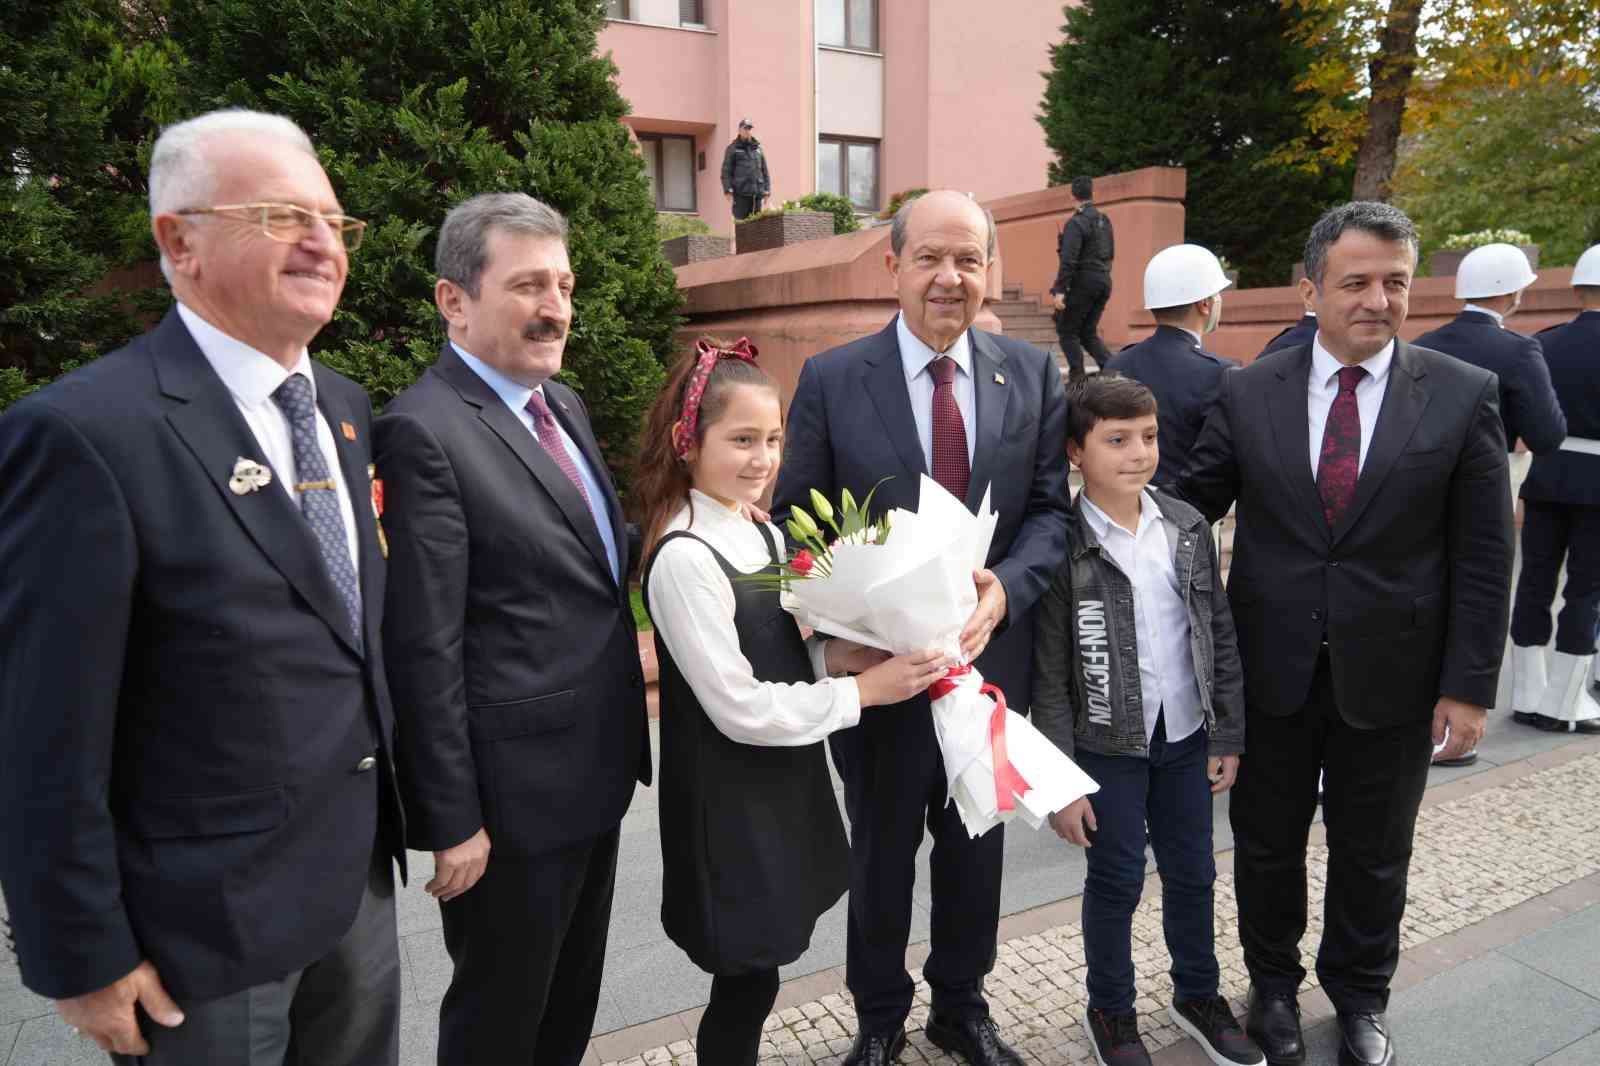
{"x": 1183, "y": 291}
{"x": 1562, "y": 521}
{"x": 1491, "y": 280}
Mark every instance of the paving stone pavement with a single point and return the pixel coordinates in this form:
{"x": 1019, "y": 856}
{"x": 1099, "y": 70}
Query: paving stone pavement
{"x": 1475, "y": 857}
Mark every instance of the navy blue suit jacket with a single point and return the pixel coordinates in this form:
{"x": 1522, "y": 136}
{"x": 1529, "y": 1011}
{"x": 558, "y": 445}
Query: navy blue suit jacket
{"x": 1185, "y": 379}
{"x": 1528, "y": 403}
{"x": 1572, "y": 352}
{"x": 184, "y": 712}
{"x": 1302, "y": 332}
{"x": 850, "y": 424}
{"x": 513, "y": 655}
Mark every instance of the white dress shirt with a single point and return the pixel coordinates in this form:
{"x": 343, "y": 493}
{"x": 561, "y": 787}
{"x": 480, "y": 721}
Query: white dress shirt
{"x": 1323, "y": 389}
{"x": 692, "y": 606}
{"x": 516, "y": 397}
{"x": 915, "y": 357}
{"x": 1167, "y": 682}
{"x": 1499, "y": 319}
{"x": 251, "y": 377}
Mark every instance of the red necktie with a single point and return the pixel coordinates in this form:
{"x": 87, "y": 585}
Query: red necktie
{"x": 1340, "y": 462}
{"x": 544, "y": 423}
{"x": 951, "y": 467}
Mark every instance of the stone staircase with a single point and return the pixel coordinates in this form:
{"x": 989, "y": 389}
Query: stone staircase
{"x": 1028, "y": 318}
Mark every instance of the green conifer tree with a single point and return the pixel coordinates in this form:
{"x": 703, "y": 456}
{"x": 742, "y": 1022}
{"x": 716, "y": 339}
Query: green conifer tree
{"x": 1203, "y": 84}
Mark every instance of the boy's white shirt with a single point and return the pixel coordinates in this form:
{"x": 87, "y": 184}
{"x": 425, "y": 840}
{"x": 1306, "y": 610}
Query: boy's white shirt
{"x": 1161, "y": 620}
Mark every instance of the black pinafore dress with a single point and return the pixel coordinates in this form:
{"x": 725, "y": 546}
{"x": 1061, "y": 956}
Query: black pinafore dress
{"x": 753, "y": 848}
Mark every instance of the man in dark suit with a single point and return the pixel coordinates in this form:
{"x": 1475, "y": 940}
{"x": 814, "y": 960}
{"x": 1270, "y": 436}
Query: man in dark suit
{"x": 196, "y": 783}
{"x": 1491, "y": 279}
{"x": 1183, "y": 290}
{"x": 514, "y": 663}
{"x": 1300, "y": 333}
{"x": 929, "y": 394}
{"x": 1370, "y": 586}
{"x": 1561, "y": 521}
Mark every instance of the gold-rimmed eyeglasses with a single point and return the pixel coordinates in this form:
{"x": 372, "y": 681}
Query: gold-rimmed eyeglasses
{"x": 287, "y": 223}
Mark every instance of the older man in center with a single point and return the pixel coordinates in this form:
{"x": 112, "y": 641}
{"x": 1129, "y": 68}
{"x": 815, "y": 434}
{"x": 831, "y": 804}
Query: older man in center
{"x": 976, "y": 411}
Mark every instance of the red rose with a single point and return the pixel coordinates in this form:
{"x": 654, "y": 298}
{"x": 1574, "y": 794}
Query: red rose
{"x": 802, "y": 562}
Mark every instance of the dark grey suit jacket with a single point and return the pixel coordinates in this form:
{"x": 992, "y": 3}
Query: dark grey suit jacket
{"x": 1412, "y": 589}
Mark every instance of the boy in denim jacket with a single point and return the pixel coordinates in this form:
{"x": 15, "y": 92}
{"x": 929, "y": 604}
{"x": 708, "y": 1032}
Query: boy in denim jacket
{"x": 1136, "y": 676}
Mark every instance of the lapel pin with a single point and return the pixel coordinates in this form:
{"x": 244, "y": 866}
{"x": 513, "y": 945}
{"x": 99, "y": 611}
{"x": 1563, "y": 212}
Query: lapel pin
{"x": 999, "y": 378}
{"x": 248, "y": 476}
{"x": 348, "y": 430}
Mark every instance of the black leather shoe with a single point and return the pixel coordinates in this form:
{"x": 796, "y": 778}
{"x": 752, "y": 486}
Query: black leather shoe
{"x": 975, "y": 1039}
{"x": 1273, "y": 1022}
{"x": 1533, "y": 718}
{"x": 876, "y": 1049}
{"x": 1364, "y": 1040}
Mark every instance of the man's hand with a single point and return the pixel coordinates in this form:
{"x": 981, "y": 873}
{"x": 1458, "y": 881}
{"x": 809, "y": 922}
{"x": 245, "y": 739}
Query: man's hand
{"x": 753, "y": 513}
{"x": 1463, "y": 723}
{"x": 728, "y": 196}
{"x": 990, "y": 613}
{"x": 106, "y": 1015}
{"x": 457, "y": 869}
{"x": 1074, "y": 822}
{"x": 1059, "y": 301}
{"x": 847, "y": 657}
{"x": 1221, "y": 771}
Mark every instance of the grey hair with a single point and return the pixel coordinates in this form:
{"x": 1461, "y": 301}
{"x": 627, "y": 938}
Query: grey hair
{"x": 1382, "y": 220}
{"x": 183, "y": 175}
{"x": 463, "y": 250}
{"x": 902, "y": 217}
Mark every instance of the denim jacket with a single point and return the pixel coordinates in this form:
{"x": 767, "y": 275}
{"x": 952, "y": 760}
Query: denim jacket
{"x": 1086, "y": 655}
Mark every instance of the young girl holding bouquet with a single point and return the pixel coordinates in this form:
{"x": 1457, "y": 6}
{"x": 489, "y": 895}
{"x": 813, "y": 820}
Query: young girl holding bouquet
{"x": 753, "y": 847}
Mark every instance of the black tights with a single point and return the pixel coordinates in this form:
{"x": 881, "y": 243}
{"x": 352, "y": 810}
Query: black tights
{"x": 730, "y": 1029}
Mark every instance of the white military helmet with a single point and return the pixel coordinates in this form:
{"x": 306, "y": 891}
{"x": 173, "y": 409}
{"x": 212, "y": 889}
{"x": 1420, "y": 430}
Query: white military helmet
{"x": 1587, "y": 272}
{"x": 1182, "y": 274}
{"x": 1493, "y": 270}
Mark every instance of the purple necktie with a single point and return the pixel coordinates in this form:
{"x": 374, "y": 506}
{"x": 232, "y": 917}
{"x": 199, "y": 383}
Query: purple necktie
{"x": 544, "y": 424}
{"x": 1340, "y": 462}
{"x": 951, "y": 468}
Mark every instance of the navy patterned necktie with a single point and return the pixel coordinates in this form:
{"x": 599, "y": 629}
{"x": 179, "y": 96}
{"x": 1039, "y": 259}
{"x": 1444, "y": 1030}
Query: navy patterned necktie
{"x": 319, "y": 498}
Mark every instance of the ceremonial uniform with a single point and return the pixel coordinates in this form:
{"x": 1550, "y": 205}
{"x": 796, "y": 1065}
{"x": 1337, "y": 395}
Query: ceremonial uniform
{"x": 1185, "y": 378}
{"x": 1302, "y": 332}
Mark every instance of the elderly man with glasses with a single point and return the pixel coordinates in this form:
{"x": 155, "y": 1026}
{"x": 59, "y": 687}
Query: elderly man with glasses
{"x": 198, "y": 811}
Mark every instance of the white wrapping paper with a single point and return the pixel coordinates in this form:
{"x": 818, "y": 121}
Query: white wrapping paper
{"x": 915, "y": 591}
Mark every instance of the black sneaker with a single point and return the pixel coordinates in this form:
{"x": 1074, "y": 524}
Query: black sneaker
{"x": 1115, "y": 1038}
{"x": 1214, "y": 1028}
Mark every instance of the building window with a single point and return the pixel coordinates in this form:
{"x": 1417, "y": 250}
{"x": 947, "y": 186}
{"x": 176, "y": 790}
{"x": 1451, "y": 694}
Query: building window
{"x": 669, "y": 162}
{"x": 848, "y": 24}
{"x": 849, "y": 167}
{"x": 690, "y": 13}
{"x": 617, "y": 9}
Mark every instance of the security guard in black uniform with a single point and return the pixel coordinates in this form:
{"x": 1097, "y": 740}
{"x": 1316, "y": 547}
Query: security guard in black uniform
{"x": 1183, "y": 290}
{"x": 1083, "y": 280}
{"x": 1491, "y": 279}
{"x": 1302, "y": 332}
{"x": 1561, "y": 498}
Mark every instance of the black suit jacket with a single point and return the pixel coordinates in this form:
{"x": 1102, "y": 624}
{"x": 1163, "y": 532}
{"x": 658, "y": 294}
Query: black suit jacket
{"x": 1572, "y": 352}
{"x": 1302, "y": 332}
{"x": 183, "y": 708}
{"x": 1528, "y": 403}
{"x": 850, "y": 424}
{"x": 1185, "y": 378}
{"x": 513, "y": 658}
{"x": 1412, "y": 588}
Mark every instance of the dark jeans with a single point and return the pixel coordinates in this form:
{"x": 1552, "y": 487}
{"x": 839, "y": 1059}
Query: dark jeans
{"x": 1168, "y": 792}
{"x": 1373, "y": 782}
{"x": 743, "y": 206}
{"x": 730, "y": 1029}
{"x": 1078, "y": 323}
{"x": 1551, "y": 532}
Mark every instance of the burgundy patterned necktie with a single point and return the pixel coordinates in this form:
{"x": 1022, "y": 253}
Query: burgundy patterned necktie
{"x": 544, "y": 424}
{"x": 1340, "y": 462}
{"x": 951, "y": 468}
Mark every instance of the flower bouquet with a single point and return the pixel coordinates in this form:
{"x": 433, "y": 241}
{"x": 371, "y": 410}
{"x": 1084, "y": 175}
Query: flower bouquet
{"x": 903, "y": 583}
